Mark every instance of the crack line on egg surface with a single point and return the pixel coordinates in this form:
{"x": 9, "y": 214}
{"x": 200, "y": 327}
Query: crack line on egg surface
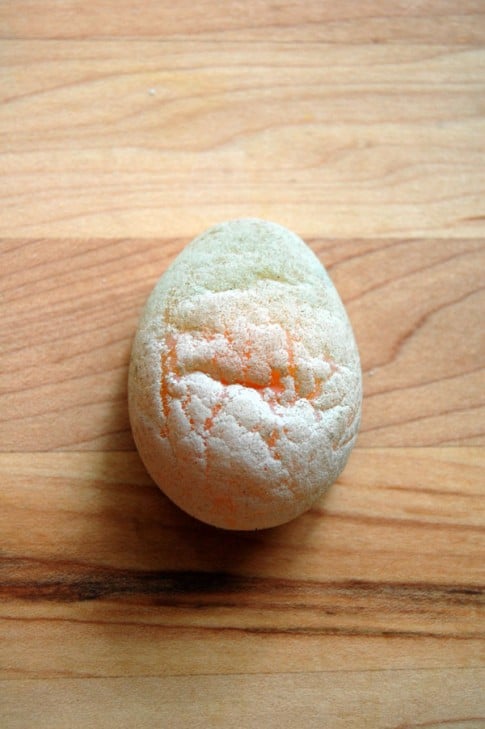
{"x": 281, "y": 390}
{"x": 260, "y": 388}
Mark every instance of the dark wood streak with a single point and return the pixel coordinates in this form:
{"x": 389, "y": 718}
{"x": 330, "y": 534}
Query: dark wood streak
{"x": 71, "y": 582}
{"x": 260, "y": 631}
{"x": 455, "y": 723}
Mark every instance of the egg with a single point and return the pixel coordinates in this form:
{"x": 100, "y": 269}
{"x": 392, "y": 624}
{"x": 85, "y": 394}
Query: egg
{"x": 245, "y": 384}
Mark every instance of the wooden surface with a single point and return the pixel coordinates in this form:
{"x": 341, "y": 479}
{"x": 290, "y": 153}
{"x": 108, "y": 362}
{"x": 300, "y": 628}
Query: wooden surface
{"x": 124, "y": 132}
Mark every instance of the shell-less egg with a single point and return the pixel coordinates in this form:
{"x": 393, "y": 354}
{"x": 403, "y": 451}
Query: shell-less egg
{"x": 245, "y": 382}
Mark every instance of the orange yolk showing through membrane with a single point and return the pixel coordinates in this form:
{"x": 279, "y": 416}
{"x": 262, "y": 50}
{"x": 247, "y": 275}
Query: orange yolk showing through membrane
{"x": 274, "y": 384}
{"x": 168, "y": 366}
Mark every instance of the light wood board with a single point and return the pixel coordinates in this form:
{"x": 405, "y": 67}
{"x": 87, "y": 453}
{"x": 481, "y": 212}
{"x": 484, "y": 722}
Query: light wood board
{"x": 126, "y": 131}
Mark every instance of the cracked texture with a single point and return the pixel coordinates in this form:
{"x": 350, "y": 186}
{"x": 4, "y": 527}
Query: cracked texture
{"x": 245, "y": 381}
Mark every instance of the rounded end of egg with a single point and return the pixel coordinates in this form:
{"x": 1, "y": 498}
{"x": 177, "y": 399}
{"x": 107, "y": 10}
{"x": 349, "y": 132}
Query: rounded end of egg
{"x": 245, "y": 382}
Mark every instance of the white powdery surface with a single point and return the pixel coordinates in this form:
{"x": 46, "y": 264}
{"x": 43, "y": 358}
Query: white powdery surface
{"x": 245, "y": 381}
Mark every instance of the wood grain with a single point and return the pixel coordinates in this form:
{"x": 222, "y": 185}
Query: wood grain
{"x": 378, "y": 21}
{"x": 344, "y": 141}
{"x": 339, "y": 700}
{"x": 126, "y": 131}
{"x": 152, "y": 592}
{"x": 72, "y": 308}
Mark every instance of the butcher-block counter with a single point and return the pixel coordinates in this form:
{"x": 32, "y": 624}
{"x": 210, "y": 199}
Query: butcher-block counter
{"x": 125, "y": 130}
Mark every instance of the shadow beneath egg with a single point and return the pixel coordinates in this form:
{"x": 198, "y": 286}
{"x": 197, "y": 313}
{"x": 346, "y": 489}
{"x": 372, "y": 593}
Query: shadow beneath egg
{"x": 153, "y": 548}
{"x": 162, "y": 591}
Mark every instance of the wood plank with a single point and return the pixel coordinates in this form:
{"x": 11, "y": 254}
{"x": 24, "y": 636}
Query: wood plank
{"x": 71, "y": 308}
{"x": 344, "y": 22}
{"x": 385, "y": 572}
{"x": 389, "y": 509}
{"x": 331, "y": 140}
{"x": 342, "y": 700}
{"x": 122, "y": 135}
{"x": 45, "y": 647}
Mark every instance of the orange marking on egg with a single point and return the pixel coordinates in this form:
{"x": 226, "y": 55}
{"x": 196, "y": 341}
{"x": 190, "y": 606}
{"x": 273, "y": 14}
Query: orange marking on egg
{"x": 209, "y": 421}
{"x": 272, "y": 438}
{"x": 185, "y": 402}
{"x": 168, "y": 366}
{"x": 293, "y": 371}
{"x": 275, "y": 381}
{"x": 314, "y": 393}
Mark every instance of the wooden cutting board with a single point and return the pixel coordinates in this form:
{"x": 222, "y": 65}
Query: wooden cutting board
{"x": 126, "y": 130}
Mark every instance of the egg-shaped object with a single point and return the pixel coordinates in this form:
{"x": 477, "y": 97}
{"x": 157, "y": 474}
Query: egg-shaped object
{"x": 245, "y": 384}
